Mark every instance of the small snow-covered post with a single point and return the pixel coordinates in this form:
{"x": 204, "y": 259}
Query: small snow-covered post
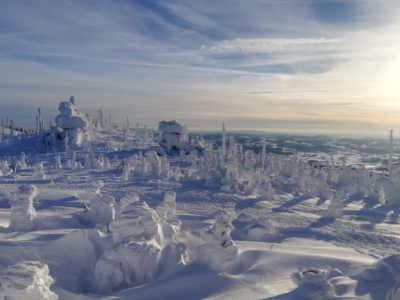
{"x": 144, "y": 135}
{"x": 264, "y": 147}
{"x": 38, "y": 171}
{"x": 101, "y": 118}
{"x": 109, "y": 122}
{"x": 231, "y": 145}
{"x": 390, "y": 163}
{"x": 223, "y": 142}
{"x": 37, "y": 124}
{"x": 23, "y": 213}
{"x": 40, "y": 120}
{"x": 127, "y": 125}
{"x": 124, "y": 136}
{"x": 58, "y": 162}
{"x": 11, "y": 127}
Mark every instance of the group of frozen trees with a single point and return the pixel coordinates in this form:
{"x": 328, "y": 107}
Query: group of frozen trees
{"x": 147, "y": 242}
{"x": 143, "y": 244}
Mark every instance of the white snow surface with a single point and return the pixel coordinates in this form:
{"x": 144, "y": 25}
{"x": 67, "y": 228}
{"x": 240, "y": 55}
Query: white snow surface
{"x": 183, "y": 237}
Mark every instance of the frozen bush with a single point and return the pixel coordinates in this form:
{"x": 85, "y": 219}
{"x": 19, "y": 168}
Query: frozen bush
{"x": 136, "y": 222}
{"x": 219, "y": 253}
{"x": 214, "y": 180}
{"x": 23, "y": 213}
{"x": 125, "y": 201}
{"x": 335, "y": 209}
{"x": 102, "y": 210}
{"x": 127, "y": 265}
{"x": 27, "y": 280}
{"x": 38, "y": 171}
{"x": 4, "y": 168}
{"x": 58, "y": 162}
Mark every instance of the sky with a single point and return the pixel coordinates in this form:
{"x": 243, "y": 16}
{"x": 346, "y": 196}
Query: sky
{"x": 293, "y": 66}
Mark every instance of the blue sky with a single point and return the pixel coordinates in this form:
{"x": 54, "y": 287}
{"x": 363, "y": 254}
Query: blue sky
{"x": 275, "y": 65}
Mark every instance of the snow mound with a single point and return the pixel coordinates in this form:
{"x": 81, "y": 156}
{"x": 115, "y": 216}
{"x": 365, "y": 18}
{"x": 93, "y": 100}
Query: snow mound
{"x": 27, "y": 280}
{"x": 127, "y": 265}
{"x": 312, "y": 285}
{"x": 248, "y": 228}
{"x": 23, "y": 214}
{"x": 389, "y": 265}
{"x": 102, "y": 210}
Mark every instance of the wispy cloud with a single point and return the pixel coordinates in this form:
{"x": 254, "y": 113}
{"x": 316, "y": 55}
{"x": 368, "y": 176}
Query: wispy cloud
{"x": 264, "y": 46}
{"x": 255, "y": 62}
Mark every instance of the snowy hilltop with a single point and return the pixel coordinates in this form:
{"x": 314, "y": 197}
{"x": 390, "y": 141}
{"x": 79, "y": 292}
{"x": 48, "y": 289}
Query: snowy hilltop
{"x": 91, "y": 209}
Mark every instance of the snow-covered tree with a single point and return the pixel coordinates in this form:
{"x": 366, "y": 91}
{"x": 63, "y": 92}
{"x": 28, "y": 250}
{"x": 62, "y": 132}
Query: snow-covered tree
{"x": 23, "y": 214}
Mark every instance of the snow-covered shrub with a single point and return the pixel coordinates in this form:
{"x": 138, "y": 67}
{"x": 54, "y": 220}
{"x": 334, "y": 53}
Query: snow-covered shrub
{"x": 154, "y": 163}
{"x": 335, "y": 208}
{"x": 127, "y": 265}
{"x": 266, "y": 191}
{"x": 17, "y": 166}
{"x": 319, "y": 188}
{"x": 106, "y": 164}
{"x": 231, "y": 180}
{"x": 96, "y": 185}
{"x": 126, "y": 171}
{"x": 175, "y": 173}
{"x": 312, "y": 285}
{"x": 214, "y": 180}
{"x": 166, "y": 209}
{"x": 27, "y": 280}
{"x": 58, "y": 162}
{"x": 165, "y": 169}
{"x": 252, "y": 185}
{"x": 102, "y": 210}
{"x": 4, "y": 168}
{"x": 23, "y": 214}
{"x": 133, "y": 259}
{"x": 136, "y": 222}
{"x": 38, "y": 171}
{"x": 68, "y": 164}
{"x": 88, "y": 163}
{"x": 219, "y": 253}
{"x": 22, "y": 160}
{"x": 125, "y": 201}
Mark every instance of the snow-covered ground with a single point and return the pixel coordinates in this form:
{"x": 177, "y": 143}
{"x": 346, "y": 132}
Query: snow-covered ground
{"x": 236, "y": 237}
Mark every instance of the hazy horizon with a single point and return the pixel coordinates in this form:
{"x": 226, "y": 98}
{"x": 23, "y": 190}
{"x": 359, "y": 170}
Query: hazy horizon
{"x": 301, "y": 67}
